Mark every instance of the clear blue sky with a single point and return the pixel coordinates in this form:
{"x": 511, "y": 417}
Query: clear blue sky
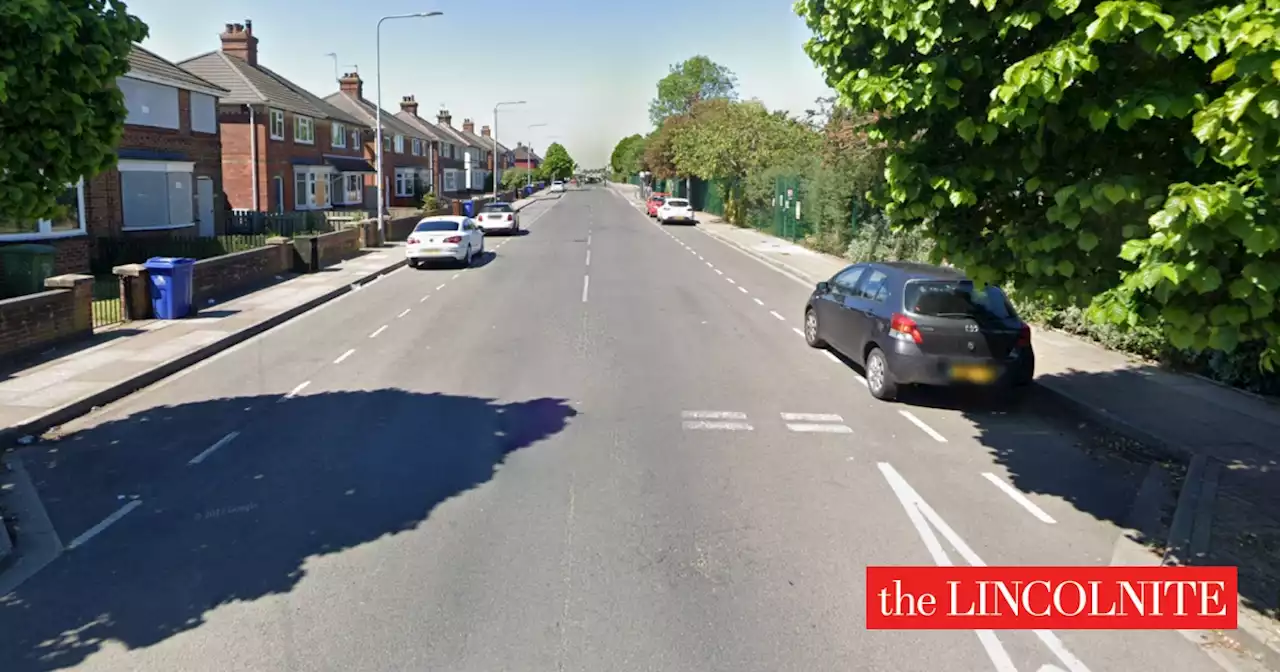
{"x": 587, "y": 68}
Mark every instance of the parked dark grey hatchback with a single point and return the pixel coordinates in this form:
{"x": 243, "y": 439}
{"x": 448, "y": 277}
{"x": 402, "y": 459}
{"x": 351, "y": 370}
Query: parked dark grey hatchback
{"x": 917, "y": 324}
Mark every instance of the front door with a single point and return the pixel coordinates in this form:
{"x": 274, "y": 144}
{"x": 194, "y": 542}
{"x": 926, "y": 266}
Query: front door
{"x": 279, "y": 183}
{"x": 204, "y": 206}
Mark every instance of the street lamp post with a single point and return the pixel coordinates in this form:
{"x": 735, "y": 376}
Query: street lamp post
{"x": 529, "y": 154}
{"x": 378, "y": 105}
{"x": 495, "y": 141}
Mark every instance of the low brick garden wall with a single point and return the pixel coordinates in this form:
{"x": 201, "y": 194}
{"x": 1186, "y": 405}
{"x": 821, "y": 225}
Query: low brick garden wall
{"x": 339, "y": 245}
{"x": 219, "y": 276}
{"x": 33, "y": 322}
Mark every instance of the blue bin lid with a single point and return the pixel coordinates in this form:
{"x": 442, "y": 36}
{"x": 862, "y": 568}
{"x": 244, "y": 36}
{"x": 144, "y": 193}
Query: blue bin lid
{"x": 168, "y": 262}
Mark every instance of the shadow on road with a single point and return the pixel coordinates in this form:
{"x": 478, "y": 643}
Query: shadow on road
{"x": 310, "y": 477}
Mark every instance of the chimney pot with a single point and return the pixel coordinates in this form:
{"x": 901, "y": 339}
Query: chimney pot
{"x": 352, "y": 85}
{"x": 238, "y": 41}
{"x": 408, "y": 104}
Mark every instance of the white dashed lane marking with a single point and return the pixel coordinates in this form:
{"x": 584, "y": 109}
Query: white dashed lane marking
{"x": 923, "y": 427}
{"x": 798, "y": 332}
{"x": 294, "y": 392}
{"x": 377, "y": 331}
{"x": 211, "y": 449}
{"x": 758, "y": 301}
{"x": 405, "y": 312}
{"x": 717, "y": 415}
{"x": 1020, "y": 498}
{"x": 742, "y": 289}
{"x": 721, "y": 425}
{"x": 341, "y": 358}
{"x": 777, "y": 315}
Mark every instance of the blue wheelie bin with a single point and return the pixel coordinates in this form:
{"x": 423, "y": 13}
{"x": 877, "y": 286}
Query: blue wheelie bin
{"x": 469, "y": 208}
{"x": 172, "y": 286}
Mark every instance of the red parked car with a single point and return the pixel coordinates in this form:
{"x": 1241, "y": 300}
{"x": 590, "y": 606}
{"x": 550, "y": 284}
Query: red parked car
{"x": 655, "y": 201}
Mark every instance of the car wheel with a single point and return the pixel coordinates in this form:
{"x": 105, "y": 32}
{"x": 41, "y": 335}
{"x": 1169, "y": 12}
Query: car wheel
{"x": 812, "y": 335}
{"x": 466, "y": 259}
{"x": 879, "y": 379}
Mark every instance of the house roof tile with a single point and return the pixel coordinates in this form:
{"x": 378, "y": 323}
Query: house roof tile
{"x": 426, "y": 128}
{"x": 366, "y": 111}
{"x": 257, "y": 85}
{"x": 149, "y": 65}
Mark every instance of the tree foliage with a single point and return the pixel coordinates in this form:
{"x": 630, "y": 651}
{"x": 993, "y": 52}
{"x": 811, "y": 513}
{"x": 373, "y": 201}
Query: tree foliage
{"x": 625, "y": 160}
{"x": 60, "y": 109}
{"x": 1120, "y": 154}
{"x": 557, "y": 165}
{"x": 515, "y": 178}
{"x": 697, "y": 78}
{"x": 729, "y": 139}
{"x": 659, "y": 149}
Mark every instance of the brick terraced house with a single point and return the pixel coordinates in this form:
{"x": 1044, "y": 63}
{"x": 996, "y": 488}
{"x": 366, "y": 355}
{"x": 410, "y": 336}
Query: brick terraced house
{"x": 407, "y": 161}
{"x": 506, "y": 158}
{"x": 283, "y": 148}
{"x": 168, "y": 177}
{"x": 468, "y": 174}
{"x": 524, "y": 157}
{"x": 408, "y": 115}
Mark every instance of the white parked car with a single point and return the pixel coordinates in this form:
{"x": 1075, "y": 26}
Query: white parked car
{"x": 557, "y": 186}
{"x": 449, "y": 237}
{"x": 499, "y": 217}
{"x": 676, "y": 210}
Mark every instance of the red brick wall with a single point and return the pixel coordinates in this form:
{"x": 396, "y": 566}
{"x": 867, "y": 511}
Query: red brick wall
{"x": 391, "y": 161}
{"x": 339, "y": 245}
{"x": 275, "y": 157}
{"x": 29, "y": 323}
{"x": 230, "y": 273}
{"x": 104, "y": 215}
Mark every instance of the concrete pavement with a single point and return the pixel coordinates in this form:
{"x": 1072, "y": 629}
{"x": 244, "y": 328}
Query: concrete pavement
{"x": 591, "y": 452}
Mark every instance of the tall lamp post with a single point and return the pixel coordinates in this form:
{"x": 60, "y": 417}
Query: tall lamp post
{"x": 495, "y": 141}
{"x": 529, "y": 154}
{"x": 378, "y": 103}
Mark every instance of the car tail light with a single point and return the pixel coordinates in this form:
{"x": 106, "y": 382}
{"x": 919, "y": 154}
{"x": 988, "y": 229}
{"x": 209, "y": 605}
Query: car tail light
{"x": 412, "y": 241}
{"x": 1024, "y": 337}
{"x": 510, "y": 217}
{"x": 901, "y": 326}
{"x": 453, "y": 239}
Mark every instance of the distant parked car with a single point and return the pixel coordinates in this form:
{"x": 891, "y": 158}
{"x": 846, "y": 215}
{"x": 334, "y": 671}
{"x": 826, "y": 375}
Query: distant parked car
{"x": 676, "y": 210}
{"x": 498, "y": 216}
{"x": 453, "y": 238}
{"x": 910, "y": 324}
{"x": 655, "y": 201}
{"x": 557, "y": 186}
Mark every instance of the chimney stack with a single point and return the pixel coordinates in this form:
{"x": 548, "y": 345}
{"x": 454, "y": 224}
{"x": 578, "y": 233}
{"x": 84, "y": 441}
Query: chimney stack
{"x": 238, "y": 41}
{"x": 408, "y": 104}
{"x": 445, "y": 118}
{"x": 484, "y": 131}
{"x": 469, "y": 126}
{"x": 352, "y": 85}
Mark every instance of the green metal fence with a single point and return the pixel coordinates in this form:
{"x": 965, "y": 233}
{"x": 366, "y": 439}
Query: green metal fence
{"x": 111, "y": 252}
{"x": 106, "y": 301}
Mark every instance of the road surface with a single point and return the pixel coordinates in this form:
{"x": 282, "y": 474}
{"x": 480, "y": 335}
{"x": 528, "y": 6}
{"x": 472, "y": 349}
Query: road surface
{"x": 605, "y": 448}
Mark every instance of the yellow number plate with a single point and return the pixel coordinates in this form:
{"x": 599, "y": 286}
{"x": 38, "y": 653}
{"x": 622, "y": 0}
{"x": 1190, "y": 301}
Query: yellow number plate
{"x": 973, "y": 373}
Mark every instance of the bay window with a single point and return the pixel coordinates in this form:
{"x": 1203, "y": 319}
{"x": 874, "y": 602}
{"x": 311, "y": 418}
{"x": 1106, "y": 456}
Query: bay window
{"x": 347, "y": 188}
{"x": 311, "y": 188}
{"x": 157, "y": 194}
{"x": 70, "y": 223}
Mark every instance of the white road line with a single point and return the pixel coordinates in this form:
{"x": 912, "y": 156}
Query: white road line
{"x": 798, "y": 332}
{"x": 812, "y": 417}
{"x": 831, "y": 356}
{"x": 719, "y": 415}
{"x": 777, "y": 315}
{"x": 106, "y": 522}
{"x": 710, "y": 265}
{"x": 455, "y": 276}
{"x": 405, "y": 312}
{"x": 731, "y": 281}
{"x": 761, "y": 303}
{"x": 742, "y": 289}
{"x": 912, "y": 504}
{"x": 818, "y": 428}
{"x": 586, "y": 284}
{"x": 923, "y": 427}
{"x": 341, "y": 358}
{"x": 692, "y": 251}
{"x": 377, "y": 331}
{"x": 294, "y": 392}
{"x": 218, "y": 444}
{"x": 439, "y": 287}
{"x": 719, "y": 272}
{"x": 588, "y": 240}
{"x": 717, "y": 424}
{"x": 922, "y": 515}
{"x": 699, "y": 257}
{"x": 588, "y": 257}
{"x": 1020, "y": 498}
{"x": 424, "y": 298}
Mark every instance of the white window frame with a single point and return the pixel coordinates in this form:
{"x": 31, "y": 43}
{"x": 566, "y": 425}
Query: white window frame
{"x": 355, "y": 138}
{"x": 304, "y": 130}
{"x": 315, "y": 175}
{"x": 338, "y": 134}
{"x": 275, "y": 129}
{"x": 404, "y": 178}
{"x": 141, "y": 166}
{"x": 417, "y": 147}
{"x": 44, "y": 227}
{"x": 204, "y": 100}
{"x": 450, "y": 180}
{"x": 399, "y": 144}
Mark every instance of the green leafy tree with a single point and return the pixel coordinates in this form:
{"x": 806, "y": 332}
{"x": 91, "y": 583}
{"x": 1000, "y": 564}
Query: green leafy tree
{"x": 1118, "y": 154}
{"x": 729, "y": 139}
{"x": 514, "y": 178}
{"x": 659, "y": 155}
{"x": 625, "y": 160}
{"x": 60, "y": 109}
{"x": 557, "y": 165}
{"x": 698, "y": 78}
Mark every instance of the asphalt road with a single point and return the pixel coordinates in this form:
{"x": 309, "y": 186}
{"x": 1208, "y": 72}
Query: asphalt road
{"x": 572, "y": 457}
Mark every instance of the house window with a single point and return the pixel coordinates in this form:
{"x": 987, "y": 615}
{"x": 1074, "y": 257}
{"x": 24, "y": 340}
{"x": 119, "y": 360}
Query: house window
{"x": 399, "y": 144}
{"x": 417, "y": 147}
{"x": 204, "y": 113}
{"x": 150, "y": 104}
{"x": 277, "y": 124}
{"x": 404, "y": 181}
{"x": 451, "y": 180}
{"x": 338, "y": 134}
{"x": 157, "y": 194}
{"x": 386, "y": 143}
{"x": 355, "y": 139}
{"x": 310, "y": 188}
{"x": 70, "y": 224}
{"x": 347, "y": 188}
{"x": 304, "y": 130}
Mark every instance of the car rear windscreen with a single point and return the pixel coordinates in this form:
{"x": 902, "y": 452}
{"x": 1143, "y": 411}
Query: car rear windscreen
{"x": 497, "y": 207}
{"x": 678, "y": 203}
{"x": 937, "y": 298}
{"x": 436, "y": 225}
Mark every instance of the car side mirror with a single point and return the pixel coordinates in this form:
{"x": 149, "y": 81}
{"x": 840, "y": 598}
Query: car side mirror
{"x": 824, "y": 287}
